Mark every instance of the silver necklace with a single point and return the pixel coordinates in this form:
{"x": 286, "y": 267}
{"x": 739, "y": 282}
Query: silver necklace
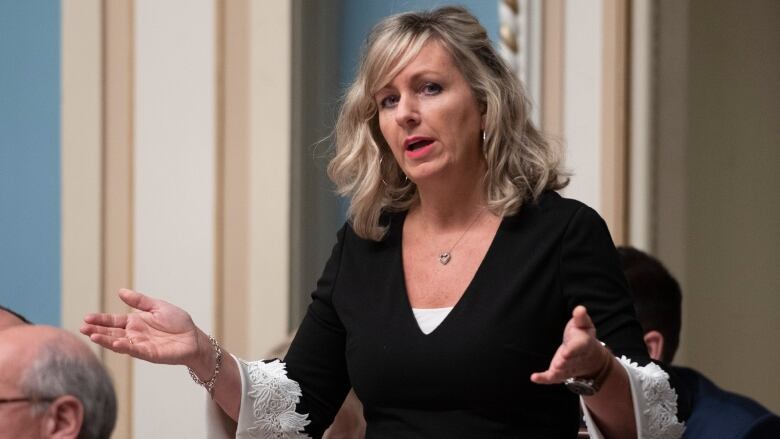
{"x": 446, "y": 256}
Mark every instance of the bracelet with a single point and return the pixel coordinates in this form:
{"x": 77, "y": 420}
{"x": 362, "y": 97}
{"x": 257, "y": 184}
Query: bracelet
{"x": 209, "y": 384}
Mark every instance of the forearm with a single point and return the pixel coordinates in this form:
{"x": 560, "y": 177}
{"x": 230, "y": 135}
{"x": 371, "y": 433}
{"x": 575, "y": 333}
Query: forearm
{"x": 612, "y": 407}
{"x": 227, "y": 387}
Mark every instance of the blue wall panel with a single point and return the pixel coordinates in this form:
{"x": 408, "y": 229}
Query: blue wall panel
{"x": 30, "y": 158}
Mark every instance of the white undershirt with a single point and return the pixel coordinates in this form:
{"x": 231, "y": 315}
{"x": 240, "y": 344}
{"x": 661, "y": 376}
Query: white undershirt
{"x": 429, "y": 319}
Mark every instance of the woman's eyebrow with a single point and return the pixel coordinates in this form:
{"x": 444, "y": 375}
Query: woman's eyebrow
{"x": 385, "y": 89}
{"x": 426, "y": 72}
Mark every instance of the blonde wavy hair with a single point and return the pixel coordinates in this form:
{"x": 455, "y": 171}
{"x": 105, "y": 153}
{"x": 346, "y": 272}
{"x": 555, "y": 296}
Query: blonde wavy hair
{"x": 521, "y": 163}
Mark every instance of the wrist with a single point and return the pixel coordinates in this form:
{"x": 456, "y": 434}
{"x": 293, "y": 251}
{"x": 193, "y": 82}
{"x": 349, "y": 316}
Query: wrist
{"x": 203, "y": 360}
{"x": 206, "y": 379}
{"x": 606, "y": 369}
{"x": 591, "y": 383}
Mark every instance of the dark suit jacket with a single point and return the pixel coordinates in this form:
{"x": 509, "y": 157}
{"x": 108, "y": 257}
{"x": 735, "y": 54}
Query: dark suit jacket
{"x": 718, "y": 414}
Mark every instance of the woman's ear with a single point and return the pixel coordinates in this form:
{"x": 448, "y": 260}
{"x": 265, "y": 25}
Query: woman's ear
{"x": 654, "y": 341}
{"x": 64, "y": 418}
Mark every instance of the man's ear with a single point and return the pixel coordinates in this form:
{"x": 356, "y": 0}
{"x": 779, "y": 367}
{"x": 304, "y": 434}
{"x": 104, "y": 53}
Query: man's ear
{"x": 654, "y": 341}
{"x": 64, "y": 418}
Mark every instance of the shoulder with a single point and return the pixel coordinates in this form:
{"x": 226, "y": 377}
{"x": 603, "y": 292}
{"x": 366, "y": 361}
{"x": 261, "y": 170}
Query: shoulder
{"x": 553, "y": 204}
{"x": 722, "y": 410}
{"x": 551, "y": 211}
{"x": 355, "y": 249}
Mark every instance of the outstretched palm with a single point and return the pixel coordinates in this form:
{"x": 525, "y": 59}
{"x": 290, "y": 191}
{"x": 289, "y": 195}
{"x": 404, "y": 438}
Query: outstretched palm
{"x": 580, "y": 353}
{"x": 155, "y": 331}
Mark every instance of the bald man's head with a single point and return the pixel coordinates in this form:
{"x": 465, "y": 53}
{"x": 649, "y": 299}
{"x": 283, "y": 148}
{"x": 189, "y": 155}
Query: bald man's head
{"x": 9, "y": 318}
{"x": 61, "y": 388}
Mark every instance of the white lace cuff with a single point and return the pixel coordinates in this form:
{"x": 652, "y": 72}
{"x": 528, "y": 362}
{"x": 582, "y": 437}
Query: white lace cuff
{"x": 268, "y": 402}
{"x": 655, "y": 403}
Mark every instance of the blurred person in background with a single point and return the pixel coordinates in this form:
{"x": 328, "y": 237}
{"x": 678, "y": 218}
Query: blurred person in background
{"x": 716, "y": 413}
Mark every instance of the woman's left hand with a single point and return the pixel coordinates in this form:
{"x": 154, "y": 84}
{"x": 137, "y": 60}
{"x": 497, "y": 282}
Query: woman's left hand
{"x": 580, "y": 354}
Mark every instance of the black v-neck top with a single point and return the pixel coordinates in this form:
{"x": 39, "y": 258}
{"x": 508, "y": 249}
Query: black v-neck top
{"x": 470, "y": 377}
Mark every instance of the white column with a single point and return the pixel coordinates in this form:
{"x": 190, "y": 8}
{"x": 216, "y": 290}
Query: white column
{"x": 582, "y": 99}
{"x": 174, "y": 190}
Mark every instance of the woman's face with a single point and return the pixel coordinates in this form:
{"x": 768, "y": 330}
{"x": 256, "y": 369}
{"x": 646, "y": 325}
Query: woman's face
{"x": 431, "y": 120}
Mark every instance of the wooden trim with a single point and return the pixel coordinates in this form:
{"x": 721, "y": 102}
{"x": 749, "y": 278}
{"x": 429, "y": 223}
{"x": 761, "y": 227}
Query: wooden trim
{"x": 81, "y": 134}
{"x": 615, "y": 117}
{"x": 269, "y": 173}
{"x": 234, "y": 190}
{"x": 117, "y": 182}
{"x": 640, "y": 151}
{"x": 219, "y": 166}
{"x": 552, "y": 68}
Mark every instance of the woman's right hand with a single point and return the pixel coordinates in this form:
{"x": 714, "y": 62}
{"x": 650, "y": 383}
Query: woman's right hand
{"x": 154, "y": 331}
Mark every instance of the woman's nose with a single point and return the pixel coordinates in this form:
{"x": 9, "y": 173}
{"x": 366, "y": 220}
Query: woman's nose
{"x": 407, "y": 112}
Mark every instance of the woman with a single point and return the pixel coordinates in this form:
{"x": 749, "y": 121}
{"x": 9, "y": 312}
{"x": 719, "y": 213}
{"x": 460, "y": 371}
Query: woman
{"x": 446, "y": 295}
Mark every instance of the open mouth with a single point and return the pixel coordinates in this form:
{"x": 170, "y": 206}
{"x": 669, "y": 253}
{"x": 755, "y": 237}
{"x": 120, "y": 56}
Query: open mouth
{"x": 418, "y": 144}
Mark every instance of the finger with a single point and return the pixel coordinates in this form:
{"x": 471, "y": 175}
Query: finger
{"x": 137, "y": 300}
{"x": 109, "y": 320}
{"x": 547, "y": 377}
{"x": 115, "y": 344}
{"x": 120, "y": 345}
{"x": 88, "y": 329}
{"x": 581, "y": 318}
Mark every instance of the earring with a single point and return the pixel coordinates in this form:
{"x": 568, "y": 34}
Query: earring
{"x": 382, "y": 177}
{"x": 484, "y": 145}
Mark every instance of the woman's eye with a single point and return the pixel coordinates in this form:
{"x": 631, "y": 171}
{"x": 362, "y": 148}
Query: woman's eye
{"x": 431, "y": 88}
{"x": 388, "y": 101}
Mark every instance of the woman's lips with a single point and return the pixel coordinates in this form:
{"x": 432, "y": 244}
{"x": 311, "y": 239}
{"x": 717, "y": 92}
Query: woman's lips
{"x": 418, "y": 149}
{"x": 414, "y": 142}
{"x": 417, "y": 146}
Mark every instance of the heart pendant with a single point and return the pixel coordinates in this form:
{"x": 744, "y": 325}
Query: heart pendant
{"x": 444, "y": 258}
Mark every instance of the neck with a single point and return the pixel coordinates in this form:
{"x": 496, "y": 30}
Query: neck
{"x": 451, "y": 203}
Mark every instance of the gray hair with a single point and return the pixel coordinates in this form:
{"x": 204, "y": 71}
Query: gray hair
{"x": 60, "y": 370}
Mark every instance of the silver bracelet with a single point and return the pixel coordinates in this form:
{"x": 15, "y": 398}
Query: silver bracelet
{"x": 209, "y": 384}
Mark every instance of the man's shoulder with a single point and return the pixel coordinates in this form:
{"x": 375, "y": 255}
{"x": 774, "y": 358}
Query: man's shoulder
{"x": 722, "y": 413}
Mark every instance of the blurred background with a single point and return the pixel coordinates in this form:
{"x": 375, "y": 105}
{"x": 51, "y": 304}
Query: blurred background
{"x": 179, "y": 147}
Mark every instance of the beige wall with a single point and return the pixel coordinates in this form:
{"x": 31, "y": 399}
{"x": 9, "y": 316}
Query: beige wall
{"x": 732, "y": 288}
{"x": 81, "y": 152}
{"x": 147, "y": 166}
{"x": 584, "y": 90}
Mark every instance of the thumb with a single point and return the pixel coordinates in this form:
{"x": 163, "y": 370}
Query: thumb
{"x": 581, "y": 318}
{"x": 136, "y": 299}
